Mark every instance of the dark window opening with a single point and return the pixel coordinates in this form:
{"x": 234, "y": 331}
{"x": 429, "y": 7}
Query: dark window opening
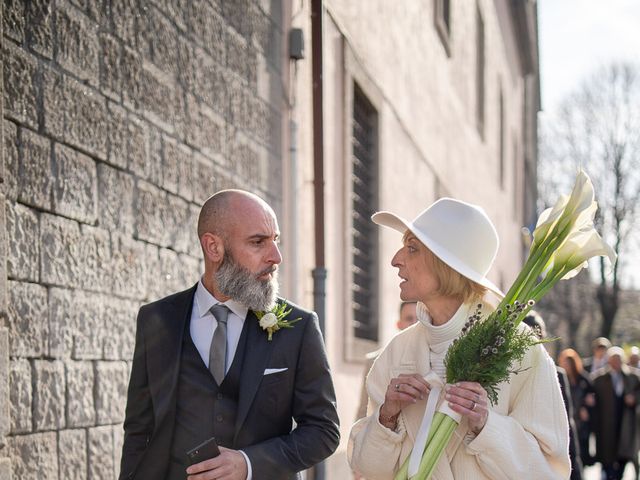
{"x": 363, "y": 231}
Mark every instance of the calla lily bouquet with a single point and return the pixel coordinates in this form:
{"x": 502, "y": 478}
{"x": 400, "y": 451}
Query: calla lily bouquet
{"x": 487, "y": 350}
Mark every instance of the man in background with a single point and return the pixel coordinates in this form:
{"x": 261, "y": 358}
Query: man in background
{"x": 599, "y": 349}
{"x": 617, "y": 391}
{"x": 634, "y": 357}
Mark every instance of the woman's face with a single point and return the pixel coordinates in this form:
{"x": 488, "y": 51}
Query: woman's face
{"x": 419, "y": 283}
{"x": 568, "y": 364}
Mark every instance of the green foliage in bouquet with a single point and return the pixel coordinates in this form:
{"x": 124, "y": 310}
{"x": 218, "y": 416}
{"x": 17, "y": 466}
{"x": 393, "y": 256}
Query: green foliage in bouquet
{"x": 491, "y": 348}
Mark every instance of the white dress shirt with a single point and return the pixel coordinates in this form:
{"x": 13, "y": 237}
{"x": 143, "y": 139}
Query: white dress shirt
{"x": 204, "y": 324}
{"x": 618, "y": 383}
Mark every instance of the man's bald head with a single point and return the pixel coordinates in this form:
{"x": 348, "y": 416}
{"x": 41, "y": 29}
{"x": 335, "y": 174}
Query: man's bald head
{"x": 239, "y": 234}
{"x": 220, "y": 210}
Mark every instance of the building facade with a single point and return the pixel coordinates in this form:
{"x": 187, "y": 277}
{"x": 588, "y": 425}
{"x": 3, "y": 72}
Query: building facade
{"x": 422, "y": 99}
{"x": 120, "y": 117}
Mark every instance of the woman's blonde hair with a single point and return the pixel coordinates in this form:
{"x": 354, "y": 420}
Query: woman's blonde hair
{"x": 452, "y": 283}
{"x": 574, "y": 360}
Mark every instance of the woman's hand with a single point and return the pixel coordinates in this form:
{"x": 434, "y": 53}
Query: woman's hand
{"x": 402, "y": 391}
{"x": 469, "y": 399}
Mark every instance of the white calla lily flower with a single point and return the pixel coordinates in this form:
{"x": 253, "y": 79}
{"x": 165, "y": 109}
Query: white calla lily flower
{"x": 578, "y": 249}
{"x": 581, "y": 199}
{"x": 585, "y": 217}
{"x": 548, "y": 218}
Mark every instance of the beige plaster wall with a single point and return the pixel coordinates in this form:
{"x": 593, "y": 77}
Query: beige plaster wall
{"x": 429, "y": 147}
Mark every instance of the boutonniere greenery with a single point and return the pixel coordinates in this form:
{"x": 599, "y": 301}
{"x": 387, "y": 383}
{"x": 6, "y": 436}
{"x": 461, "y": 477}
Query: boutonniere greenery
{"x": 274, "y": 320}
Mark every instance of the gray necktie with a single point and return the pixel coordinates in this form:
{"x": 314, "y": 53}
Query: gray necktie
{"x": 218, "y": 349}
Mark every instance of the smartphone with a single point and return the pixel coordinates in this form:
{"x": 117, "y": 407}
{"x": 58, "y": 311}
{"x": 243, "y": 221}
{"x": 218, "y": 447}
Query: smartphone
{"x": 206, "y": 450}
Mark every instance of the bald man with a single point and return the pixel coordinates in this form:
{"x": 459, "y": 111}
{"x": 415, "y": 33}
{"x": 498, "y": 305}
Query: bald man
{"x": 204, "y": 366}
{"x": 617, "y": 392}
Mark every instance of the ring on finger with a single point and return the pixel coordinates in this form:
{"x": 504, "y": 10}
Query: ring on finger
{"x": 397, "y": 387}
{"x": 473, "y": 407}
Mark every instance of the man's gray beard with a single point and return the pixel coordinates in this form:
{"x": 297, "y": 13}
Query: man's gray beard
{"x": 241, "y": 285}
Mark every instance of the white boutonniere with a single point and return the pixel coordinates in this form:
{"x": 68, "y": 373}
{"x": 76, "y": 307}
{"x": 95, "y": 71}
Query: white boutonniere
{"x": 274, "y": 320}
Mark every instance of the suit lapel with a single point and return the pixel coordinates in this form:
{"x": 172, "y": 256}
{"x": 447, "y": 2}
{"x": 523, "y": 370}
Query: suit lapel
{"x": 172, "y": 325}
{"x": 256, "y": 359}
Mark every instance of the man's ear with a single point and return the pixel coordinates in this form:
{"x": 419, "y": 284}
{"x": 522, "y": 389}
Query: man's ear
{"x": 212, "y": 246}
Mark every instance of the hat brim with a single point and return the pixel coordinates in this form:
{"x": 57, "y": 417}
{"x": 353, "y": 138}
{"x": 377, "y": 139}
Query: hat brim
{"x": 391, "y": 220}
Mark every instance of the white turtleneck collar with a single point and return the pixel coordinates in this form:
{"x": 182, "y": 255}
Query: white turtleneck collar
{"x": 447, "y": 331}
{"x": 441, "y": 336}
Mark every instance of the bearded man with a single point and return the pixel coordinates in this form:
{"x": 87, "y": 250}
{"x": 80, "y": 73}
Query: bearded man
{"x": 204, "y": 366}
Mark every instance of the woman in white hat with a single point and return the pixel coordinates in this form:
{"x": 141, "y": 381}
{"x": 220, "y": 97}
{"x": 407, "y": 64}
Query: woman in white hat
{"x": 446, "y": 254}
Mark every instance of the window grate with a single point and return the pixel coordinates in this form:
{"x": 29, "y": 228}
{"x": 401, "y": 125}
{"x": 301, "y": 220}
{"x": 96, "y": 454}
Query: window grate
{"x": 363, "y": 202}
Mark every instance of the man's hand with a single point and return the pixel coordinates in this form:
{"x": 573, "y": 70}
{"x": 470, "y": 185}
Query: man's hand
{"x": 630, "y": 400}
{"x": 584, "y": 414}
{"x": 229, "y": 465}
{"x": 590, "y": 400}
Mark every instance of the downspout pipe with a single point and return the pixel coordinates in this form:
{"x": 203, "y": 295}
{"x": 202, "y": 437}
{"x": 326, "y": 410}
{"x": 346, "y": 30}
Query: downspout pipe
{"x": 319, "y": 272}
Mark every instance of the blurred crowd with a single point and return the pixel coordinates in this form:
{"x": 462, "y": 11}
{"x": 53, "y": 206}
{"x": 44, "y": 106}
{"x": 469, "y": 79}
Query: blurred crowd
{"x": 602, "y": 395}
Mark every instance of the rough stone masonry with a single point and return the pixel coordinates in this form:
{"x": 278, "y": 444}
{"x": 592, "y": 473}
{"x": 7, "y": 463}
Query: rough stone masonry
{"x": 119, "y": 117}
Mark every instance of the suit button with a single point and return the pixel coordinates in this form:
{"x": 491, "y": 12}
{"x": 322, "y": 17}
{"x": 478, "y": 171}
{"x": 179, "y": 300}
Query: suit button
{"x": 219, "y": 396}
{"x": 219, "y": 418}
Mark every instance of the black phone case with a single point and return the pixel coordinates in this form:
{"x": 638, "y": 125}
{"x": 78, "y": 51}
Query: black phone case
{"x": 206, "y": 450}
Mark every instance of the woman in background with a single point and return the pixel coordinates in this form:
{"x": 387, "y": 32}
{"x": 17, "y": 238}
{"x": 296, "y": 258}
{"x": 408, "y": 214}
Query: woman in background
{"x": 582, "y": 398}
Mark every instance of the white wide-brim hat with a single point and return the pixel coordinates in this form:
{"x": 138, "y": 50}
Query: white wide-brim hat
{"x": 458, "y": 233}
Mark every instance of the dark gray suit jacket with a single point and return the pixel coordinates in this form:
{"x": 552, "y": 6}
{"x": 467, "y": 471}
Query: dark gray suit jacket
{"x": 267, "y": 404}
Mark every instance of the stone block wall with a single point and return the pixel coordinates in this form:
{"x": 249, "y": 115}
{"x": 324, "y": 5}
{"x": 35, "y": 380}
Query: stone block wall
{"x": 119, "y": 118}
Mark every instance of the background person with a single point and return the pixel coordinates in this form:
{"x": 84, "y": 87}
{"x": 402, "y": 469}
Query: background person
{"x": 634, "y": 357}
{"x": 445, "y": 256}
{"x": 617, "y": 391}
{"x": 597, "y": 361}
{"x": 599, "y": 349}
{"x": 580, "y": 386}
{"x": 632, "y": 361}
